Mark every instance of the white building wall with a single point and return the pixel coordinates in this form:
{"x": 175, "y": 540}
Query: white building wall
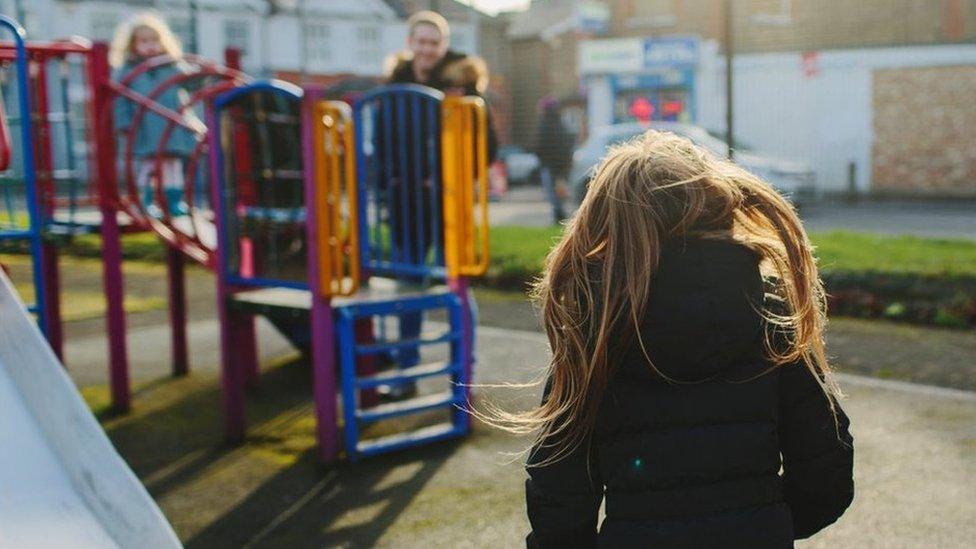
{"x": 275, "y": 42}
{"x": 825, "y": 119}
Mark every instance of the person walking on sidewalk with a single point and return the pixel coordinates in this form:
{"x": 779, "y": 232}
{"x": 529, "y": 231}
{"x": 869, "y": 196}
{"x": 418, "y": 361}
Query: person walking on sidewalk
{"x": 689, "y": 388}
{"x": 554, "y": 148}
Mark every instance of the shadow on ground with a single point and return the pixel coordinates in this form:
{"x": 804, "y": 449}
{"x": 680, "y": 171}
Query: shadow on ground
{"x": 270, "y": 491}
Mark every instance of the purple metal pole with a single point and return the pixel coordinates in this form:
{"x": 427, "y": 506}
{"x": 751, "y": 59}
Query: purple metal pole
{"x": 52, "y": 286}
{"x": 111, "y": 237}
{"x": 176, "y": 279}
{"x": 232, "y": 382}
{"x": 247, "y": 348}
{"x": 323, "y": 327}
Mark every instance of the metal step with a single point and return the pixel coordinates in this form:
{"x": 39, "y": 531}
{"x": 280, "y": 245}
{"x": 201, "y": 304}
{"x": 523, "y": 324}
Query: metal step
{"x": 440, "y": 431}
{"x": 375, "y": 348}
{"x": 407, "y": 407}
{"x": 396, "y": 376}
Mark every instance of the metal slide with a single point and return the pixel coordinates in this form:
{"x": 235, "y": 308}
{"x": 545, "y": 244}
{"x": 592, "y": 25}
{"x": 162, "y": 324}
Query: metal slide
{"x": 62, "y": 484}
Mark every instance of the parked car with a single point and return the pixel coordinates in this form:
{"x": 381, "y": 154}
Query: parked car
{"x": 521, "y": 165}
{"x": 794, "y": 179}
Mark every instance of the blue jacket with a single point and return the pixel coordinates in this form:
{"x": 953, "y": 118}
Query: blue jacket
{"x": 181, "y": 141}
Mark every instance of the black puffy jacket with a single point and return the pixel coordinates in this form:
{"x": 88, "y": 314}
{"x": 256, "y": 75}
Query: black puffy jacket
{"x": 730, "y": 453}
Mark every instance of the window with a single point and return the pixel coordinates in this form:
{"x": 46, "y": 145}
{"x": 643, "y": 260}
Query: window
{"x": 103, "y": 25}
{"x": 317, "y": 37}
{"x": 237, "y": 34}
{"x": 368, "y": 45}
{"x": 181, "y": 28}
{"x": 462, "y": 42}
{"x": 777, "y": 12}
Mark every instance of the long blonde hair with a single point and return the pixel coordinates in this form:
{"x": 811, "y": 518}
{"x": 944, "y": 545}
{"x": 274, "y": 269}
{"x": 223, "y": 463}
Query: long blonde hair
{"x": 594, "y": 288}
{"x": 122, "y": 49}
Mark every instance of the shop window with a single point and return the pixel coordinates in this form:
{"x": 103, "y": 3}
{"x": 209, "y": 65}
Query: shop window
{"x": 653, "y": 104}
{"x": 773, "y": 12}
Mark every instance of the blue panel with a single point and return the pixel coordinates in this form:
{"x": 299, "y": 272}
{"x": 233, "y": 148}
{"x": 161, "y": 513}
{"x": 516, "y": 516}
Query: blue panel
{"x": 33, "y": 234}
{"x": 263, "y": 206}
{"x": 398, "y": 155}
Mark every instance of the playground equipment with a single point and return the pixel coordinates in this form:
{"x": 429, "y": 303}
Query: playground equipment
{"x": 63, "y": 484}
{"x": 44, "y": 173}
{"x": 339, "y": 224}
{"x": 65, "y": 177}
{"x": 386, "y": 202}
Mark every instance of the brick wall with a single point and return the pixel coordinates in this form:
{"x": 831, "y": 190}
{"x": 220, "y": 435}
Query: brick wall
{"x": 529, "y": 81}
{"x": 801, "y": 25}
{"x": 925, "y": 131}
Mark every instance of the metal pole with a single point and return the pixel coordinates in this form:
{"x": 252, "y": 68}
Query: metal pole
{"x": 194, "y": 11}
{"x": 108, "y": 201}
{"x": 21, "y": 15}
{"x": 729, "y": 55}
{"x": 303, "y": 64}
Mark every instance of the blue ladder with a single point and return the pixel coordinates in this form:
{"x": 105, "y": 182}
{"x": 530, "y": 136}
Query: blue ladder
{"x": 453, "y": 398}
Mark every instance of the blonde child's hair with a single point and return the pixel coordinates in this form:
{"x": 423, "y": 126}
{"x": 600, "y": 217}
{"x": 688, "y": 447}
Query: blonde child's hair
{"x": 433, "y": 19}
{"x": 594, "y": 289}
{"x": 122, "y": 43}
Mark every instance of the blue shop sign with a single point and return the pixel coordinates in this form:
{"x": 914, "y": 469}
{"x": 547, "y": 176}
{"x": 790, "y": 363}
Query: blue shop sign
{"x": 676, "y": 52}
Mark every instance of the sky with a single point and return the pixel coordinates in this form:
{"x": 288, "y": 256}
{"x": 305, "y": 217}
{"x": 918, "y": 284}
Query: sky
{"x": 495, "y": 6}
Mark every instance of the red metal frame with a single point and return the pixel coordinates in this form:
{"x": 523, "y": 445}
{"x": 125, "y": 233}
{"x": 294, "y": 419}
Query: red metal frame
{"x": 39, "y": 55}
{"x": 131, "y": 203}
{"x": 125, "y": 198}
{"x": 100, "y": 74}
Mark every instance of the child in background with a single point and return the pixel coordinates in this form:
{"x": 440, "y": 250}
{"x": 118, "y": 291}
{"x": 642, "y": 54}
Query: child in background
{"x": 689, "y": 385}
{"x": 140, "y": 38}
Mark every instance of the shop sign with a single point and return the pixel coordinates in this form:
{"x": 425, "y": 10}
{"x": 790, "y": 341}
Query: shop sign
{"x": 670, "y": 52}
{"x": 625, "y": 55}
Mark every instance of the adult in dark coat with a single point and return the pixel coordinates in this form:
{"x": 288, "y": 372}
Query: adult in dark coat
{"x": 427, "y": 62}
{"x": 554, "y": 148}
{"x": 729, "y": 452}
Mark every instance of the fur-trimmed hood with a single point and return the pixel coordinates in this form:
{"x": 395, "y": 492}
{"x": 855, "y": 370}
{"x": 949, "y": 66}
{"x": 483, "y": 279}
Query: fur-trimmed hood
{"x": 456, "y": 70}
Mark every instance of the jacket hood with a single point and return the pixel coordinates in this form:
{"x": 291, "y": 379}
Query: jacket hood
{"x": 703, "y": 315}
{"x": 455, "y": 70}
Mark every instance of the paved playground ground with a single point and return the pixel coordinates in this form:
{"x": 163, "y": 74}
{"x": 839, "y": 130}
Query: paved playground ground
{"x": 916, "y": 466}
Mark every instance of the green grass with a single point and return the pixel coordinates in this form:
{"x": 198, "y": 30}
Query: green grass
{"x": 863, "y": 252}
{"x": 83, "y": 305}
{"x": 519, "y": 251}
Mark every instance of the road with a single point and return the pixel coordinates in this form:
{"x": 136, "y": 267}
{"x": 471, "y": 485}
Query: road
{"x": 943, "y": 219}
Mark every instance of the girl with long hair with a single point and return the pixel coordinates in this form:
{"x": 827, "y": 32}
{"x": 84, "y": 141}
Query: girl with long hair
{"x": 689, "y": 386}
{"x": 142, "y": 37}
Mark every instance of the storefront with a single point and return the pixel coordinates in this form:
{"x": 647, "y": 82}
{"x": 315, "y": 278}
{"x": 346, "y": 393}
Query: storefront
{"x": 640, "y": 79}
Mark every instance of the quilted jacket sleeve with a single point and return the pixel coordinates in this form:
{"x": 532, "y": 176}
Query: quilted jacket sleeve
{"x": 563, "y": 498}
{"x": 818, "y": 452}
